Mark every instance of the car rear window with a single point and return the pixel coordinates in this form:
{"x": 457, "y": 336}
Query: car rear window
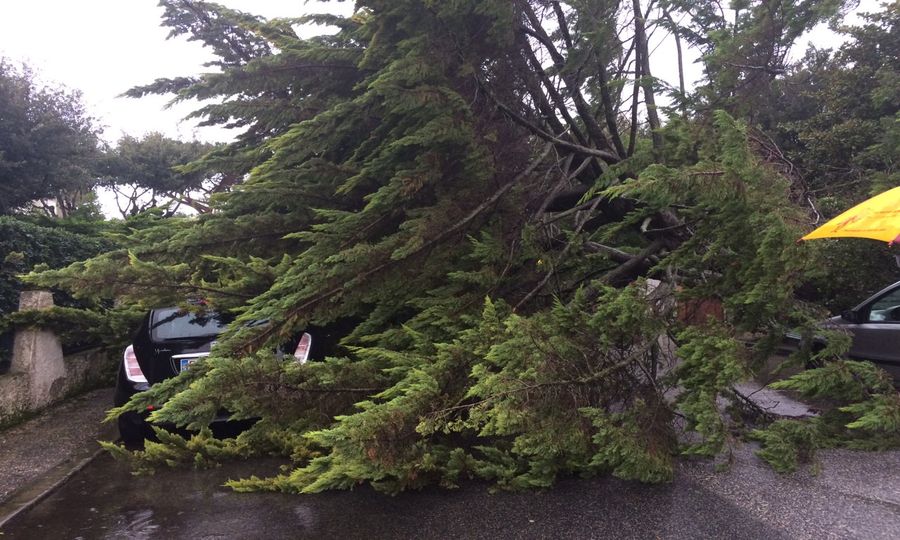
{"x": 174, "y": 323}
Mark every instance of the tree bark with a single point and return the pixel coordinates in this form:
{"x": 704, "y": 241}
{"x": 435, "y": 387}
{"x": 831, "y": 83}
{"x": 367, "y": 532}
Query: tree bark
{"x": 681, "y": 86}
{"x": 646, "y": 79}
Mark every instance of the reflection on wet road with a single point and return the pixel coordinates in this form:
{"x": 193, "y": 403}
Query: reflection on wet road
{"x": 106, "y": 501}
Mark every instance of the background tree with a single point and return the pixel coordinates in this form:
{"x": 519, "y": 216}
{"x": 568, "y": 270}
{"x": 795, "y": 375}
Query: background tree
{"x": 149, "y": 173}
{"x": 835, "y": 123}
{"x": 48, "y": 144}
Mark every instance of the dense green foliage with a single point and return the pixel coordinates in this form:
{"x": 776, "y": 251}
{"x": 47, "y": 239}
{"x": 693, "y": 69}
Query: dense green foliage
{"x": 26, "y": 243}
{"x": 48, "y": 144}
{"x": 477, "y": 185}
{"x": 865, "y": 415}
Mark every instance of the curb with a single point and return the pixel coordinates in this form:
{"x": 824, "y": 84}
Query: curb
{"x": 28, "y": 497}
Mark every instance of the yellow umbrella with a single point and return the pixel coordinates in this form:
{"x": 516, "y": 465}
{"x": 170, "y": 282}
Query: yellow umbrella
{"x": 877, "y": 218}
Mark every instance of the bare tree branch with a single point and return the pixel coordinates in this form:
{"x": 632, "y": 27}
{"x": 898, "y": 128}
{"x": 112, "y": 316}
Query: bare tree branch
{"x": 607, "y": 157}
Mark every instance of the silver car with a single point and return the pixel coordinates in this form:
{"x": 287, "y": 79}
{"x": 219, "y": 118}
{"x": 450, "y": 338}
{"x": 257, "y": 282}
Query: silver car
{"x": 875, "y": 329}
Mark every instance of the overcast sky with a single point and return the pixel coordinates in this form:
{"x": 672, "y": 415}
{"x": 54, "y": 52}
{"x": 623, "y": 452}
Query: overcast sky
{"x": 104, "y": 47}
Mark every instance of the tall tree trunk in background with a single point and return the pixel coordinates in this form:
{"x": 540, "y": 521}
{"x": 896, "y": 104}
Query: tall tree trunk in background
{"x": 681, "y": 86}
{"x": 635, "y": 100}
{"x": 643, "y": 50}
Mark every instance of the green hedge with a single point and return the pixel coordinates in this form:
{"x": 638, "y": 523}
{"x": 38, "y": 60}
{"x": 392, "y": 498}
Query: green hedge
{"x": 25, "y": 243}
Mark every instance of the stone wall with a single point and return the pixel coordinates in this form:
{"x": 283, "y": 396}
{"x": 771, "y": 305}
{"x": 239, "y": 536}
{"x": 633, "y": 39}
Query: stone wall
{"x": 39, "y": 374}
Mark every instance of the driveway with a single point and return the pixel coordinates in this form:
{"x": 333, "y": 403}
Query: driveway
{"x": 855, "y": 496}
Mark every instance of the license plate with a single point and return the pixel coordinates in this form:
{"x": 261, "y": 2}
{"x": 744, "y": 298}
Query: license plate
{"x": 185, "y": 362}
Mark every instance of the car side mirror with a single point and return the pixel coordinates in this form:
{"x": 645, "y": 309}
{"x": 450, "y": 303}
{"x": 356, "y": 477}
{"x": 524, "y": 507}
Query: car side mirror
{"x": 850, "y": 316}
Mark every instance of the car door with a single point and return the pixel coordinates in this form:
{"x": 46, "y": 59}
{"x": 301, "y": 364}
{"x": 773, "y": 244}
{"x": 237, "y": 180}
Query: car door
{"x": 877, "y": 336}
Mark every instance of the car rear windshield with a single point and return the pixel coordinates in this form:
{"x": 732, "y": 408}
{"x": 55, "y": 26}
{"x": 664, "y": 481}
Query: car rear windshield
{"x": 173, "y": 323}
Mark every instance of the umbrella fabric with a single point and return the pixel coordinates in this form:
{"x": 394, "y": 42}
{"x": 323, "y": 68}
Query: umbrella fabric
{"x": 877, "y": 218}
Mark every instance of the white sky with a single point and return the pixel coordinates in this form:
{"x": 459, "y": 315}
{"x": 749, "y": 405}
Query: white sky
{"x": 105, "y": 47}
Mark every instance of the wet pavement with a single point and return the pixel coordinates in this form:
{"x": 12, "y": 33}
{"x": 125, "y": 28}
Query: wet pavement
{"x": 105, "y": 501}
{"x": 851, "y": 495}
{"x": 51, "y": 443}
{"x": 855, "y": 496}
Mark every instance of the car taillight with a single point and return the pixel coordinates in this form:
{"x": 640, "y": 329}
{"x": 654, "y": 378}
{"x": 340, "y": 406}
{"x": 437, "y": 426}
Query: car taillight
{"x": 301, "y": 353}
{"x": 132, "y": 369}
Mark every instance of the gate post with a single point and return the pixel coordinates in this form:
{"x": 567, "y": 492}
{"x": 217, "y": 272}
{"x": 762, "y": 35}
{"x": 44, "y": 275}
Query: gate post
{"x": 37, "y": 353}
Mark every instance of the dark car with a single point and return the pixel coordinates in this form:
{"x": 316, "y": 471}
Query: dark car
{"x": 168, "y": 341}
{"x": 874, "y": 326}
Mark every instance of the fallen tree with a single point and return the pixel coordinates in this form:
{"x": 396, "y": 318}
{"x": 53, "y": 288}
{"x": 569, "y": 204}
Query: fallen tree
{"x": 485, "y": 186}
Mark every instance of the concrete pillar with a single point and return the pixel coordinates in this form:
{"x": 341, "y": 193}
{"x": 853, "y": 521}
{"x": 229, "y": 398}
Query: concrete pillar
{"x": 38, "y": 354}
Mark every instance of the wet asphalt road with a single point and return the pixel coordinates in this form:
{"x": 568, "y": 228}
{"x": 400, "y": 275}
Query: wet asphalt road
{"x": 855, "y": 496}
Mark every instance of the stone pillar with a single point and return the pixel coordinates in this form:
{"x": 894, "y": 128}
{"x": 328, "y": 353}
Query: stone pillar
{"x": 37, "y": 353}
